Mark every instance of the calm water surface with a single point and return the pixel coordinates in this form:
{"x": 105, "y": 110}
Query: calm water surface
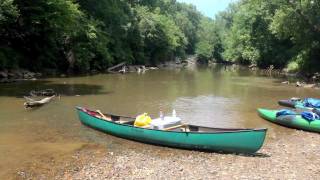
{"x": 217, "y": 96}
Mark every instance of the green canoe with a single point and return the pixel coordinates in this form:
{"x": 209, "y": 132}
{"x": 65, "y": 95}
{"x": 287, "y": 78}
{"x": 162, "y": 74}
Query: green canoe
{"x": 292, "y": 121}
{"x": 186, "y": 136}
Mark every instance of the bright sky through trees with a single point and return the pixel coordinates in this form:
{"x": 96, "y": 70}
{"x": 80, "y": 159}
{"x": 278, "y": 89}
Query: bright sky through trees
{"x": 209, "y": 7}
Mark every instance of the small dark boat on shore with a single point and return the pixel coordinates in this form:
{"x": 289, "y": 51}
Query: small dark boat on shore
{"x": 289, "y": 103}
{"x": 179, "y": 136}
{"x": 305, "y": 104}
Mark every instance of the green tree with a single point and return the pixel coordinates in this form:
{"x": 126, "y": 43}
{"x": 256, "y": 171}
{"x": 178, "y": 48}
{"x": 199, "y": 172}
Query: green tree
{"x": 299, "y": 22}
{"x": 8, "y": 15}
{"x": 161, "y": 37}
{"x": 187, "y": 18}
{"x": 8, "y": 12}
{"x": 250, "y": 39}
{"x": 42, "y": 30}
{"x": 81, "y": 35}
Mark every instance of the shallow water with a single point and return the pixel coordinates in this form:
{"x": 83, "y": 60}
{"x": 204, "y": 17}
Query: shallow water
{"x": 218, "y": 96}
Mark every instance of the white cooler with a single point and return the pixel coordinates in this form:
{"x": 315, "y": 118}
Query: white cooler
{"x": 166, "y": 122}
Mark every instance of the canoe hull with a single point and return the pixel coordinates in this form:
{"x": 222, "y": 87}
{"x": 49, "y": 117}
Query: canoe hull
{"x": 294, "y": 104}
{"x": 292, "y": 121}
{"x": 287, "y": 103}
{"x": 246, "y": 141}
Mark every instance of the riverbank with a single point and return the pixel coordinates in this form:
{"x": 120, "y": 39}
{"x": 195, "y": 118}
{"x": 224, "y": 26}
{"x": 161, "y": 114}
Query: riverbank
{"x": 191, "y": 62}
{"x": 290, "y": 157}
{"x": 304, "y": 80}
{"x": 294, "y": 156}
{"x": 8, "y": 76}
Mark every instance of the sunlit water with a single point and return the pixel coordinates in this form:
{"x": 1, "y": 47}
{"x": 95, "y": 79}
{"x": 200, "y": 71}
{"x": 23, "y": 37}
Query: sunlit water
{"x": 217, "y": 96}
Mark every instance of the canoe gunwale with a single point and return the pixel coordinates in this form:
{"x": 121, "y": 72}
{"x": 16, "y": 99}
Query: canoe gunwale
{"x": 220, "y": 130}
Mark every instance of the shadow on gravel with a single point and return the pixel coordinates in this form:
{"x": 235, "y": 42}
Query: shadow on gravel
{"x": 258, "y": 155}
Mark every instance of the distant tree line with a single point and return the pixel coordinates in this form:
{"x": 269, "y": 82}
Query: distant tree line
{"x": 282, "y": 33}
{"x": 83, "y": 35}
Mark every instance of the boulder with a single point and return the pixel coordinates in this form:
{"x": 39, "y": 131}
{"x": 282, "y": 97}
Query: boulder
{"x": 316, "y": 77}
{"x": 28, "y": 75}
{"x": 3, "y": 74}
{"x": 11, "y": 75}
{"x": 17, "y": 73}
{"x": 38, "y": 75}
{"x": 298, "y": 84}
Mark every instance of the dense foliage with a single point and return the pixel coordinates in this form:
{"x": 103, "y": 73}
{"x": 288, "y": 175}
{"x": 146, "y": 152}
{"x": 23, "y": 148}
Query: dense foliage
{"x": 282, "y": 33}
{"x": 81, "y": 35}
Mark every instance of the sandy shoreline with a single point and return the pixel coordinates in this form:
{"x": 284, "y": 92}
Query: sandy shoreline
{"x": 294, "y": 156}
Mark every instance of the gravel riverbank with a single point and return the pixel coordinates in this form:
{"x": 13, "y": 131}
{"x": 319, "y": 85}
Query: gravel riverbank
{"x": 294, "y": 156}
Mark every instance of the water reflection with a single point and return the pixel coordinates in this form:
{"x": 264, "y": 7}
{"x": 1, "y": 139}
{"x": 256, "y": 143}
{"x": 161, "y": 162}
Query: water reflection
{"x": 19, "y": 89}
{"x": 208, "y": 110}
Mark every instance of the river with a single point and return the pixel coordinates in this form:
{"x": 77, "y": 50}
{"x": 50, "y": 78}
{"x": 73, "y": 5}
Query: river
{"x": 39, "y": 139}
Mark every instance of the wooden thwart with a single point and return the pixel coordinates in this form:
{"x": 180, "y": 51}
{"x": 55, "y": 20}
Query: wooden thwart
{"x": 174, "y": 127}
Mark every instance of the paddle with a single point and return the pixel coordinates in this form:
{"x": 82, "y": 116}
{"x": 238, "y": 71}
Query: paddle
{"x": 102, "y": 115}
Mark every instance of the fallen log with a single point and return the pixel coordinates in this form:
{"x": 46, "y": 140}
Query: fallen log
{"x": 30, "y": 103}
{"x": 113, "y": 68}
